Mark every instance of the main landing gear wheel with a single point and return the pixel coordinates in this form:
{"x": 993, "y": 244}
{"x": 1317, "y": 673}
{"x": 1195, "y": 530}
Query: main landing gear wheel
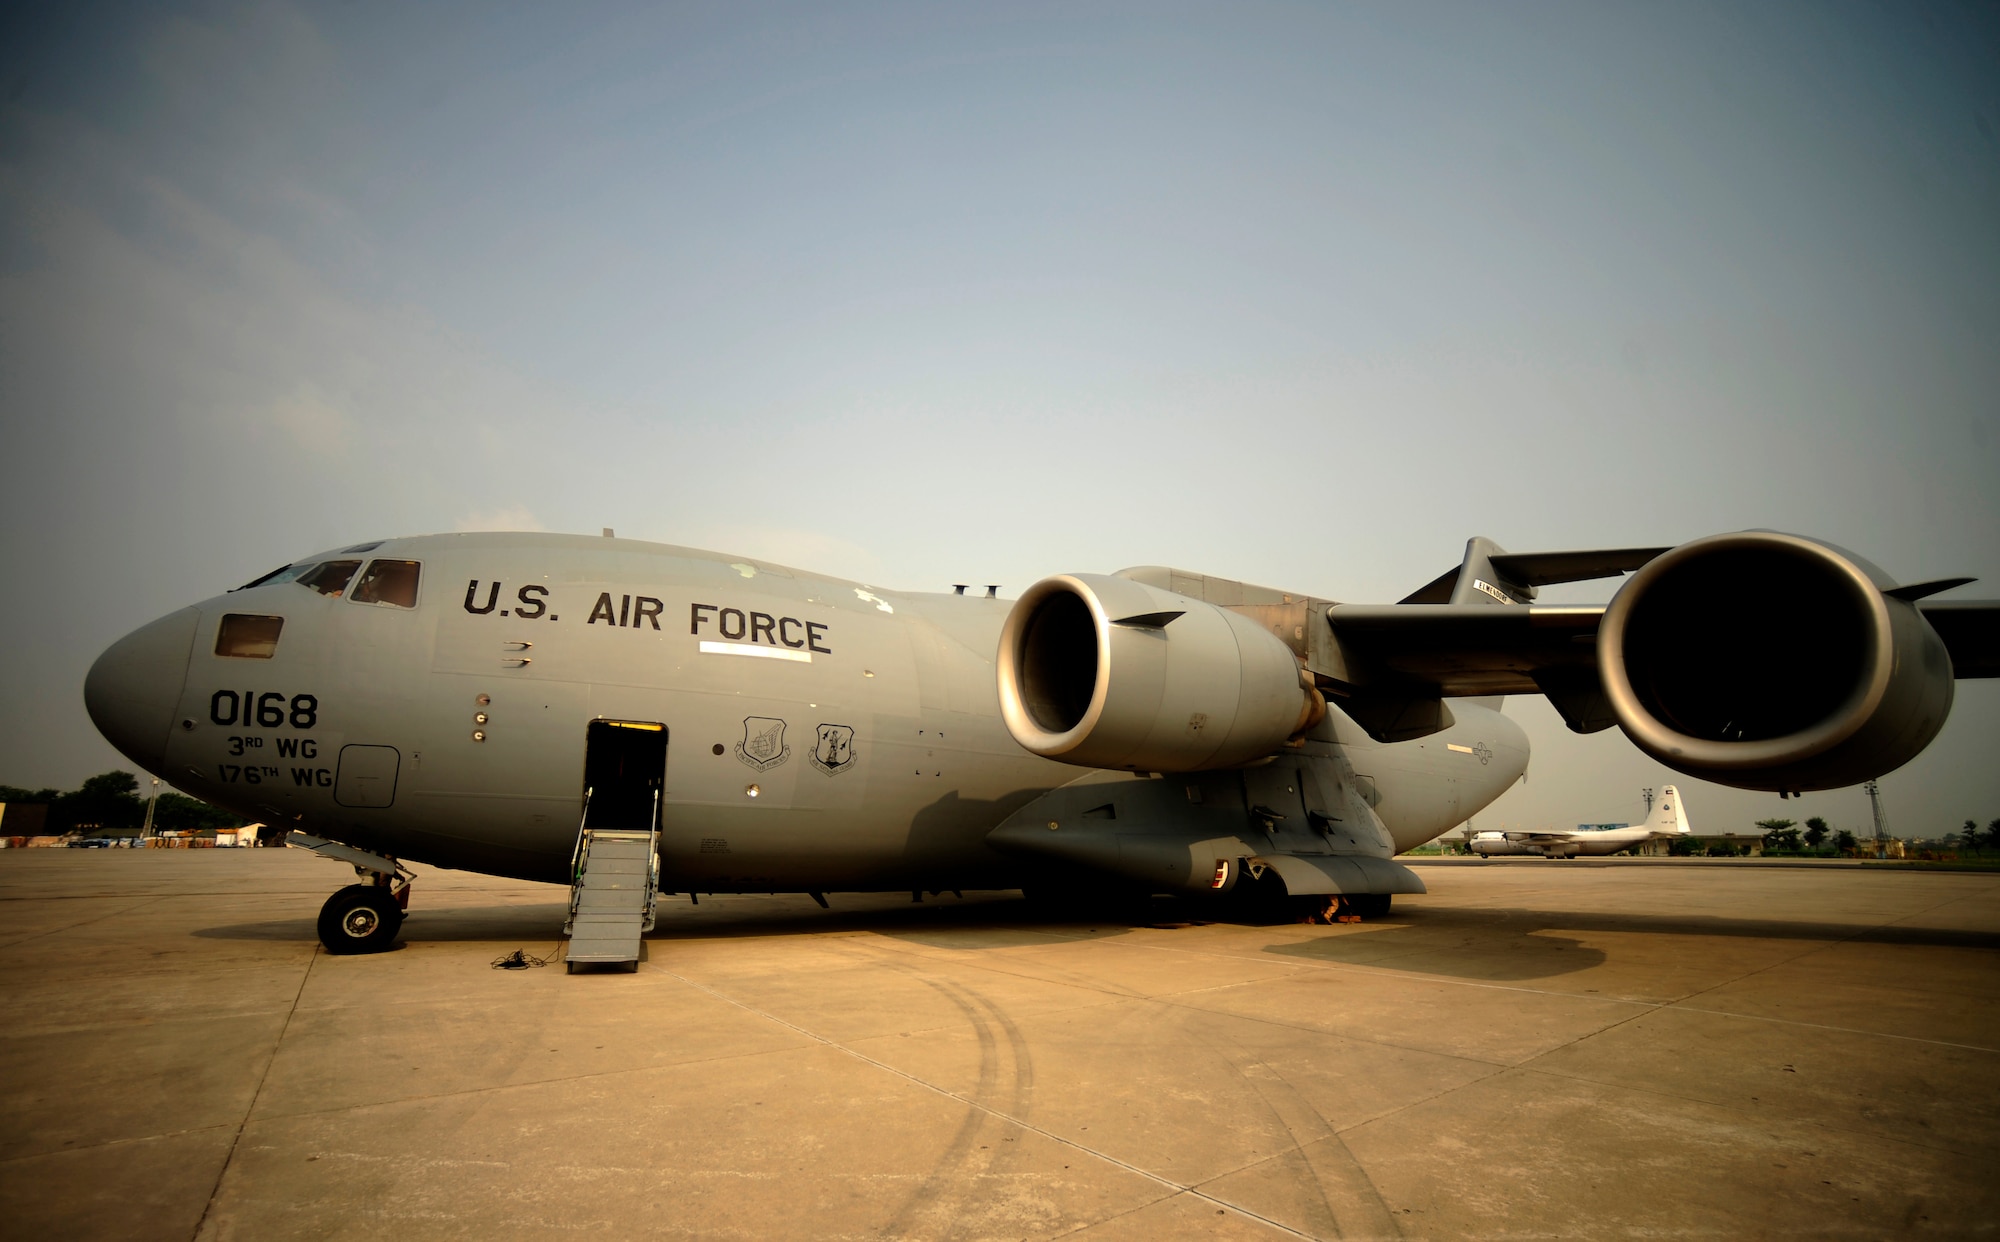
{"x": 361, "y": 918}
{"x": 1369, "y": 905}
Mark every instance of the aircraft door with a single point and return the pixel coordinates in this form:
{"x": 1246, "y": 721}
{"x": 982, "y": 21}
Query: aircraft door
{"x": 624, "y": 772}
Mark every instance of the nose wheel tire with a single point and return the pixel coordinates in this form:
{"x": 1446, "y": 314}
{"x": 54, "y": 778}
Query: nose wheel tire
{"x": 361, "y": 918}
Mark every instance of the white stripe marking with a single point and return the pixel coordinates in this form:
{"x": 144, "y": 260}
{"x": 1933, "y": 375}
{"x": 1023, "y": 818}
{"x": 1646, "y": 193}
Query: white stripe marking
{"x": 751, "y": 649}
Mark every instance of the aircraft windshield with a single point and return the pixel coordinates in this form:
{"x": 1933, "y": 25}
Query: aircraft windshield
{"x": 388, "y": 582}
{"x": 329, "y": 577}
{"x": 284, "y": 573}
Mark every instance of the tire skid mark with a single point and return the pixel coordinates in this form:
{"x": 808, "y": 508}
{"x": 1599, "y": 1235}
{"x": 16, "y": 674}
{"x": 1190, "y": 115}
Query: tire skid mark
{"x": 1024, "y": 1068}
{"x": 1043, "y": 972}
{"x": 1167, "y": 1183}
{"x": 961, "y": 1162}
{"x": 1258, "y": 1076}
{"x": 1355, "y": 1207}
{"x": 952, "y": 1164}
{"x": 1362, "y": 1212}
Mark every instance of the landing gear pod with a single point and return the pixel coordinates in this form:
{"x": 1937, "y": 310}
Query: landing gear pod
{"x": 1770, "y": 661}
{"x": 1105, "y": 672}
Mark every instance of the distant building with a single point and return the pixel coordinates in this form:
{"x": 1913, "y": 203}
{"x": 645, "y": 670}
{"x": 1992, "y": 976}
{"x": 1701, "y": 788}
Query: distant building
{"x": 23, "y": 819}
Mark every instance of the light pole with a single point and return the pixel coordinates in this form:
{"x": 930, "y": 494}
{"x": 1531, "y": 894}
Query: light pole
{"x": 1647, "y": 794}
{"x": 1881, "y": 825}
{"x": 146, "y": 829}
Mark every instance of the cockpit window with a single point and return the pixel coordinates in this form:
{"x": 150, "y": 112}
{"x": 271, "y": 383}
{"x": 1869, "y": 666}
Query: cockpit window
{"x": 329, "y": 577}
{"x": 248, "y": 637}
{"x": 388, "y": 582}
{"x": 284, "y": 573}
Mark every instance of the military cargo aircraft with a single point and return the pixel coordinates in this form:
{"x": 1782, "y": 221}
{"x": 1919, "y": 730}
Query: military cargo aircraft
{"x": 524, "y": 704}
{"x": 1667, "y": 819}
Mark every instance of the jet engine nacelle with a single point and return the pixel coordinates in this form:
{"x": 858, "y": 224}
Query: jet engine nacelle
{"x": 1105, "y": 672}
{"x": 1770, "y": 661}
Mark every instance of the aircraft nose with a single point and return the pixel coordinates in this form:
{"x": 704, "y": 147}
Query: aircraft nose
{"x": 133, "y": 689}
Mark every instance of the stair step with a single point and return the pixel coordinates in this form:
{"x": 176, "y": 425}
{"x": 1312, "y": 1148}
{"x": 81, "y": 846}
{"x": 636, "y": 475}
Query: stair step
{"x": 598, "y": 929}
{"x": 611, "y": 897}
{"x": 617, "y": 867}
{"x": 612, "y": 884}
{"x": 630, "y": 901}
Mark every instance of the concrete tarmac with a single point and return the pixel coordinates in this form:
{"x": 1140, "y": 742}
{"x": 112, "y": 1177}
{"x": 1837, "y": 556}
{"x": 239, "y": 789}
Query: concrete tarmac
{"x": 1535, "y": 1049}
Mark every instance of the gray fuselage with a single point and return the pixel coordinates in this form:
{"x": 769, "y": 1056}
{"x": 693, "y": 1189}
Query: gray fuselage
{"x": 823, "y": 735}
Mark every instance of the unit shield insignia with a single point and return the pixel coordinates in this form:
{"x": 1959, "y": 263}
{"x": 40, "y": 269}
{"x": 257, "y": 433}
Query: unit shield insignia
{"x": 763, "y": 745}
{"x": 833, "y": 749}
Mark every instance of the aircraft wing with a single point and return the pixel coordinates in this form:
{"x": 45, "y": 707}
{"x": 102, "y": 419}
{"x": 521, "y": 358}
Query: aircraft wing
{"x": 1971, "y": 632}
{"x": 1477, "y": 631}
{"x": 1465, "y": 649}
{"x": 1392, "y": 665}
{"x": 1473, "y": 649}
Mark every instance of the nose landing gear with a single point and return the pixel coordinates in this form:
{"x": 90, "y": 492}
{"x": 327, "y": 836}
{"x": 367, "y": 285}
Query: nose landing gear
{"x": 361, "y": 918}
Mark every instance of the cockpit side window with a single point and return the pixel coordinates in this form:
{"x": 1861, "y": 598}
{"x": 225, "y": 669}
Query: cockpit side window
{"x": 388, "y": 582}
{"x": 329, "y": 577}
{"x": 248, "y": 637}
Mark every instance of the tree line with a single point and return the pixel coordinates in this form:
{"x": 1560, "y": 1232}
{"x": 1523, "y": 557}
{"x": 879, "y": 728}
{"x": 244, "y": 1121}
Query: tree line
{"x": 1783, "y": 836}
{"x": 1969, "y": 837}
{"x": 109, "y": 803}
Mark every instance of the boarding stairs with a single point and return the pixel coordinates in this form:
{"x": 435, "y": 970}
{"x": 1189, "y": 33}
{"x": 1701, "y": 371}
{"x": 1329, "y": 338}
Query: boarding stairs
{"x": 613, "y": 893}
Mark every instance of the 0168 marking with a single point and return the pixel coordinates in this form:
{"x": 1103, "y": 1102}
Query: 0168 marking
{"x": 270, "y": 710}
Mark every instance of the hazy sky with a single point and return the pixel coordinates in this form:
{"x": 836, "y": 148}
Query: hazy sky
{"x": 1305, "y": 295}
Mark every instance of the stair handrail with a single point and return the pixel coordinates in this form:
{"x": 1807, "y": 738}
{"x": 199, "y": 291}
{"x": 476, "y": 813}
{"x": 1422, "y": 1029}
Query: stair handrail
{"x": 653, "y": 861}
{"x": 576, "y": 856}
{"x": 582, "y": 826}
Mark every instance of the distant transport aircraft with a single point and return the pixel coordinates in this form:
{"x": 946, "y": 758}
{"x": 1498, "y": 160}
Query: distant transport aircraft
{"x": 630, "y": 718}
{"x": 1667, "y": 819}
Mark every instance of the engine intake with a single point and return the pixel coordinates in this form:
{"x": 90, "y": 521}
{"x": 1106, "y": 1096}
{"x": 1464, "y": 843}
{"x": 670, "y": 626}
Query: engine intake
{"x": 1105, "y": 672}
{"x": 1770, "y": 661}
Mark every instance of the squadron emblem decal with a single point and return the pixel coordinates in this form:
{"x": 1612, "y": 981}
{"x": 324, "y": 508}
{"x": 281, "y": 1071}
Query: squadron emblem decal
{"x": 763, "y": 745}
{"x": 833, "y": 749}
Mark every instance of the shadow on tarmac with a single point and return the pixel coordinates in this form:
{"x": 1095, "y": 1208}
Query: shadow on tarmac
{"x": 980, "y": 921}
{"x": 1523, "y": 921}
{"x": 1511, "y": 945}
{"x": 1496, "y": 944}
{"x": 1500, "y": 956}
